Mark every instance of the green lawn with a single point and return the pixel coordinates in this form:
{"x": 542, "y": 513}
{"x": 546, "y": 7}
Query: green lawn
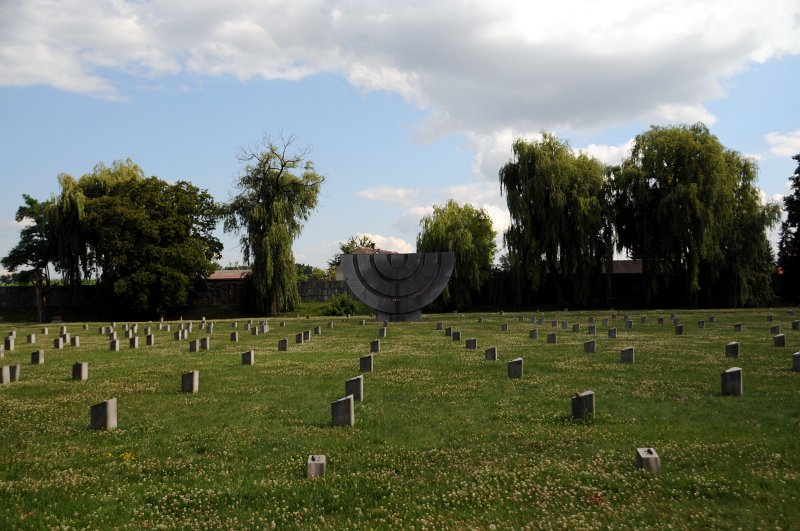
{"x": 443, "y": 439}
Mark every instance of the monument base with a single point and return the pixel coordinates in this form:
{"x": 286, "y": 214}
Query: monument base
{"x": 396, "y": 317}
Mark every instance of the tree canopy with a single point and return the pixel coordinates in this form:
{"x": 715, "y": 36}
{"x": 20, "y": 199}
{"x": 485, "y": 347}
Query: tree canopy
{"x": 789, "y": 245}
{"x": 467, "y": 232}
{"x": 561, "y": 223}
{"x": 273, "y": 202}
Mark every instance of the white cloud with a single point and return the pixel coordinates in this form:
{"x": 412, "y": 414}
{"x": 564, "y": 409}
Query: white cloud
{"x": 388, "y": 194}
{"x": 608, "y": 154}
{"x": 784, "y": 145}
{"x": 408, "y": 222}
{"x": 474, "y": 66}
{"x": 391, "y": 243}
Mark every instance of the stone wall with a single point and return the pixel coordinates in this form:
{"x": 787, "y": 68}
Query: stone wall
{"x": 322, "y": 290}
{"x": 24, "y": 297}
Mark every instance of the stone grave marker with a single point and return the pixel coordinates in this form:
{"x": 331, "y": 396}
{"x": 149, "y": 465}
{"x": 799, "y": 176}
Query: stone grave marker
{"x": 235, "y": 337}
{"x": 521, "y": 318}
{"x": 591, "y": 330}
{"x": 254, "y": 330}
{"x": 504, "y": 327}
{"x": 612, "y": 333}
{"x": 330, "y": 324}
{"x": 701, "y": 324}
{"x": 643, "y": 319}
{"x": 9, "y": 344}
{"x": 205, "y": 343}
{"x": 363, "y": 322}
{"x": 247, "y": 326}
{"x": 283, "y": 345}
{"x": 235, "y": 324}
{"x": 365, "y": 363}
{"x": 194, "y": 345}
{"x": 31, "y": 339}
{"x": 737, "y": 327}
{"x": 448, "y": 331}
{"x": 249, "y": 357}
{"x": 533, "y": 333}
{"x": 45, "y": 331}
{"x": 796, "y": 361}
{"x": 732, "y": 382}
{"x": 732, "y": 350}
{"x": 128, "y": 334}
{"x": 375, "y": 345}
{"x": 342, "y": 412}
{"x": 551, "y": 338}
{"x": 80, "y": 371}
{"x": 628, "y": 323}
{"x": 480, "y": 320}
{"x": 576, "y": 327}
{"x": 382, "y": 332}
{"x": 472, "y": 343}
{"x": 298, "y": 338}
{"x": 583, "y": 405}
{"x": 554, "y": 324}
{"x": 490, "y": 354}
{"x": 76, "y": 341}
{"x": 58, "y": 343}
{"x": 775, "y": 329}
{"x": 14, "y": 372}
{"x": 134, "y": 342}
{"x": 647, "y": 459}
{"x": 769, "y": 318}
{"x": 564, "y": 325}
{"x": 283, "y": 324}
{"x": 315, "y": 466}
{"x": 318, "y": 331}
{"x": 190, "y": 382}
{"x": 178, "y": 335}
{"x": 515, "y": 368}
{"x": 37, "y": 357}
{"x": 661, "y": 321}
{"x": 113, "y": 345}
{"x": 605, "y": 321}
{"x": 712, "y": 319}
{"x": 626, "y": 355}
{"x": 779, "y": 340}
{"x": 103, "y": 416}
{"x": 796, "y": 324}
{"x": 63, "y": 330}
{"x": 590, "y": 346}
{"x": 679, "y": 330}
{"x": 456, "y": 335}
{"x": 355, "y": 387}
{"x": 5, "y": 375}
{"x": 590, "y": 320}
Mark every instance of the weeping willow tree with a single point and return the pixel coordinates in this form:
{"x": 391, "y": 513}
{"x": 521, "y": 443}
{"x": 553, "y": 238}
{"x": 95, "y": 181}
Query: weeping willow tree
{"x": 273, "y": 202}
{"x": 65, "y": 215}
{"x": 560, "y": 216}
{"x": 467, "y": 232}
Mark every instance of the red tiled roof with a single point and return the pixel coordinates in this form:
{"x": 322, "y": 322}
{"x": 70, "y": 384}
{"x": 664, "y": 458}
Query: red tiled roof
{"x": 229, "y": 274}
{"x": 370, "y": 250}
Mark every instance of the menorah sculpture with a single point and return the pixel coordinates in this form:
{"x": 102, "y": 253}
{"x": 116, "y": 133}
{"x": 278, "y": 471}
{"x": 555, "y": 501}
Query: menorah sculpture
{"x": 397, "y": 286}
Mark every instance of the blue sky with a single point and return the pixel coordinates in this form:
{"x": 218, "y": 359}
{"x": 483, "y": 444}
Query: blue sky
{"x": 402, "y": 106}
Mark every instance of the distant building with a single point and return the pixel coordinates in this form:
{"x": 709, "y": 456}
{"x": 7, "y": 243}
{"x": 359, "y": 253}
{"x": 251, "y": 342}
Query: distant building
{"x": 339, "y": 275}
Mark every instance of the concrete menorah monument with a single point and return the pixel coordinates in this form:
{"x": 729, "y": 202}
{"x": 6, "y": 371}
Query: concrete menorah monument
{"x": 397, "y": 286}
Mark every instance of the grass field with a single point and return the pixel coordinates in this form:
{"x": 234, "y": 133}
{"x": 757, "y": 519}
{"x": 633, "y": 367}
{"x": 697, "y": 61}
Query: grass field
{"x": 443, "y": 438}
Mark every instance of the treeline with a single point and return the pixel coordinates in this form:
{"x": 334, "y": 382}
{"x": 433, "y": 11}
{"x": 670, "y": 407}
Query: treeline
{"x": 681, "y": 203}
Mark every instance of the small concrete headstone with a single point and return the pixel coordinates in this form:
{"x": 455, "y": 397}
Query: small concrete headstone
{"x": 591, "y": 330}
{"x": 254, "y": 331}
{"x": 283, "y": 324}
{"x": 769, "y": 318}
{"x": 342, "y": 412}
{"x": 647, "y": 459}
{"x": 103, "y": 416}
{"x": 382, "y": 332}
{"x": 235, "y": 336}
{"x": 775, "y": 329}
{"x": 37, "y": 357}
{"x": 612, "y": 333}
{"x": 779, "y": 340}
{"x": 737, "y": 327}
{"x": 194, "y": 345}
{"x": 76, "y": 341}
{"x": 533, "y": 333}
{"x": 355, "y": 387}
{"x": 31, "y": 339}
{"x": 330, "y": 324}
{"x": 113, "y": 336}
{"x": 363, "y": 322}
{"x": 628, "y": 323}
{"x": 480, "y": 320}
{"x": 45, "y": 331}
{"x": 551, "y": 338}
{"x": 63, "y": 330}
{"x": 590, "y": 346}
{"x": 515, "y": 368}
{"x": 5, "y": 375}
{"x": 576, "y": 327}
{"x": 205, "y": 343}
{"x": 583, "y": 405}
{"x": 235, "y": 324}
{"x": 80, "y": 371}
{"x": 190, "y": 382}
{"x": 701, "y": 324}
{"x": 796, "y": 325}
{"x": 712, "y": 319}
{"x": 249, "y": 357}
{"x": 626, "y": 355}
{"x": 318, "y": 331}
{"x": 365, "y": 363}
{"x": 58, "y": 343}
{"x": 679, "y": 330}
{"x": 643, "y": 319}
{"x": 134, "y": 342}
{"x": 472, "y": 343}
{"x": 456, "y": 335}
{"x": 113, "y": 345}
{"x": 283, "y": 345}
{"x": 490, "y": 354}
{"x": 732, "y": 350}
{"x": 148, "y": 330}
{"x": 504, "y": 327}
{"x": 604, "y": 322}
{"x": 732, "y": 381}
{"x": 14, "y": 372}
{"x": 554, "y": 324}
{"x": 661, "y": 321}
{"x": 128, "y": 334}
{"x": 177, "y": 335}
{"x": 315, "y": 466}
{"x": 564, "y": 325}
{"x": 375, "y": 345}
{"x": 9, "y": 344}
{"x": 448, "y": 331}
{"x": 298, "y": 338}
{"x": 796, "y": 361}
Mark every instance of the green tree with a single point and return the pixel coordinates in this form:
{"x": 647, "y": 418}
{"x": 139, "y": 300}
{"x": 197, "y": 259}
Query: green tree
{"x": 561, "y": 221}
{"x": 467, "y": 232}
{"x": 347, "y": 247}
{"x": 152, "y": 241}
{"x": 688, "y": 208}
{"x": 34, "y": 250}
{"x": 789, "y": 244}
{"x": 65, "y": 227}
{"x": 268, "y": 212}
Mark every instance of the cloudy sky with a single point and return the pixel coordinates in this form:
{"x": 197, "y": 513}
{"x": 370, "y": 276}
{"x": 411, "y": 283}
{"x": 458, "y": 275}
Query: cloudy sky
{"x": 402, "y": 104}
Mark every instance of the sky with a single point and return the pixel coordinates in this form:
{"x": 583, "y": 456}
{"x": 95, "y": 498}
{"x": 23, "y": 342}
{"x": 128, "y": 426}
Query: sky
{"x": 401, "y": 105}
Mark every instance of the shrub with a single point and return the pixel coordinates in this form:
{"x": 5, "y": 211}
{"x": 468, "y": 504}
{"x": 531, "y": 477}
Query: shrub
{"x": 341, "y": 304}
